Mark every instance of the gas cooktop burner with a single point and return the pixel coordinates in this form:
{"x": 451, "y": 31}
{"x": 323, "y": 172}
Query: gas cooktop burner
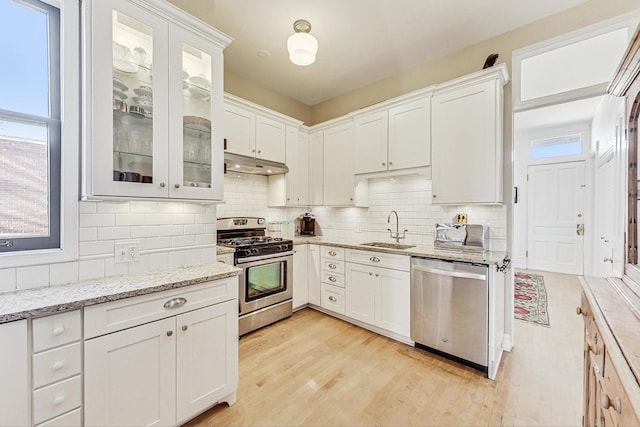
{"x": 247, "y": 241}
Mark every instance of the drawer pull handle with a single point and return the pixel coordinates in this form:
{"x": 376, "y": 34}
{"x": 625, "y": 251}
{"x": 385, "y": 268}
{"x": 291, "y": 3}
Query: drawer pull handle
{"x": 175, "y": 303}
{"x": 58, "y": 365}
{"x": 333, "y": 253}
{"x": 58, "y": 330}
{"x": 58, "y": 400}
{"x": 333, "y": 299}
{"x": 580, "y": 311}
{"x": 333, "y": 266}
{"x": 374, "y": 259}
{"x": 185, "y": 327}
{"x": 332, "y": 278}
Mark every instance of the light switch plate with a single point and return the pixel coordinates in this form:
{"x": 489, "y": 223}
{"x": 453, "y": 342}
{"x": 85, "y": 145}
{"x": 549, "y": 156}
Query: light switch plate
{"x": 357, "y": 228}
{"x": 126, "y": 252}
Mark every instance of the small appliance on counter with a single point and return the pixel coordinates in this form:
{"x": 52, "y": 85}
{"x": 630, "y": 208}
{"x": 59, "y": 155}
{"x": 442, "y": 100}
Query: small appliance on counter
{"x": 462, "y": 237}
{"x": 307, "y": 225}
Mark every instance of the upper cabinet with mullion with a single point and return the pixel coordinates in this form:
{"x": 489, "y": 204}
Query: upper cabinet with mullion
{"x": 153, "y": 96}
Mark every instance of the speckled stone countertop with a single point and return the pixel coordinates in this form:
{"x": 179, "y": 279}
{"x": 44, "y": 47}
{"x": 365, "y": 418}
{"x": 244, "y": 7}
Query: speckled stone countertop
{"x": 36, "y": 302}
{"x": 221, "y": 250}
{"x": 426, "y": 251}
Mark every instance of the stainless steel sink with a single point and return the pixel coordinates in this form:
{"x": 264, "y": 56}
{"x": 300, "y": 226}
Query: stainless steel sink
{"x": 388, "y": 245}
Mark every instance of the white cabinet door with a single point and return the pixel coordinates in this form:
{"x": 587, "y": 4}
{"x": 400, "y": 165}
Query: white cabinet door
{"x": 313, "y": 274}
{"x": 130, "y": 376}
{"x": 392, "y": 308}
{"x": 300, "y": 165}
{"x": 467, "y": 144}
{"x": 300, "y": 287}
{"x": 239, "y": 130}
{"x": 316, "y": 169}
{"x": 338, "y": 166}
{"x": 360, "y": 293}
{"x": 207, "y": 358}
{"x": 371, "y": 142}
{"x": 410, "y": 135}
{"x": 14, "y": 371}
{"x": 270, "y": 139}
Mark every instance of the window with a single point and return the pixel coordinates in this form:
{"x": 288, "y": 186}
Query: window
{"x": 570, "y": 145}
{"x": 39, "y": 131}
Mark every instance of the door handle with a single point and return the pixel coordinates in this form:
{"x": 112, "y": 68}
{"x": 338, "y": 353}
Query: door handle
{"x": 580, "y": 229}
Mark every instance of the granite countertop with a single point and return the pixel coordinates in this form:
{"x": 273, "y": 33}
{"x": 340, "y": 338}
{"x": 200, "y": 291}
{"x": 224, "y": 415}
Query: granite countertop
{"x": 222, "y": 250}
{"x": 426, "y": 251}
{"x": 36, "y": 302}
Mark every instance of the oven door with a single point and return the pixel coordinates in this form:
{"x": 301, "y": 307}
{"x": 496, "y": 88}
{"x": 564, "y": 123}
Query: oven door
{"x": 265, "y": 281}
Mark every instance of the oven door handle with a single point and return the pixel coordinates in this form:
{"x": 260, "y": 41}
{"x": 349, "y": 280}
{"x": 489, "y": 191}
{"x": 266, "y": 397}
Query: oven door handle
{"x": 263, "y": 257}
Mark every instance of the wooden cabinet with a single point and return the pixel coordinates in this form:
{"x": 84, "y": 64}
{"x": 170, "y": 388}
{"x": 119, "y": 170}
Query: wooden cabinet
{"x": 611, "y": 392}
{"x": 14, "y": 371}
{"x": 300, "y": 276}
{"x": 313, "y": 274}
{"x": 161, "y": 358}
{"x": 154, "y": 103}
{"x": 466, "y": 120}
{"x": 398, "y": 137}
{"x": 376, "y": 295}
{"x": 254, "y": 131}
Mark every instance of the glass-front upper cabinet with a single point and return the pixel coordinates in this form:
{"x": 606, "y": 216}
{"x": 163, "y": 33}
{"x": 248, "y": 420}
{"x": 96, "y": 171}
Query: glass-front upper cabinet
{"x": 155, "y": 91}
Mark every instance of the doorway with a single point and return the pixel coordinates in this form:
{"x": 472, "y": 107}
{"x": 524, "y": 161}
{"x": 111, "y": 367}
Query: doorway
{"x": 556, "y": 206}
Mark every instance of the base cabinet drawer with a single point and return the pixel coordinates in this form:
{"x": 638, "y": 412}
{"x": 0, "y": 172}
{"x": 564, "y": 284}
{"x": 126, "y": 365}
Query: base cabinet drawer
{"x": 56, "y": 330}
{"x": 332, "y": 298}
{"x": 70, "y": 419}
{"x": 55, "y": 365}
{"x": 334, "y": 279}
{"x": 56, "y": 399}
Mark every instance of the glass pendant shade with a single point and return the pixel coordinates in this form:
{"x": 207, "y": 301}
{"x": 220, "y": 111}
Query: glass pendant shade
{"x": 302, "y": 48}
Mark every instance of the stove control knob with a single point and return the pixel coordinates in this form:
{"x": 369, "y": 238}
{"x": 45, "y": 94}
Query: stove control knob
{"x": 254, "y": 251}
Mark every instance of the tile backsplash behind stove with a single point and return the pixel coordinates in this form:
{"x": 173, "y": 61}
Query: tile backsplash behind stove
{"x": 409, "y": 195}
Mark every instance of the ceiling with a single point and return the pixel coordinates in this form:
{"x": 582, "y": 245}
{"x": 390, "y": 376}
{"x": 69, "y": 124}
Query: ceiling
{"x": 360, "y": 41}
{"x": 580, "y": 111}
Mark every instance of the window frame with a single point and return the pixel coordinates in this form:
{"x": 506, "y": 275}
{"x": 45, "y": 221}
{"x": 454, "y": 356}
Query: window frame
{"x": 67, "y": 148}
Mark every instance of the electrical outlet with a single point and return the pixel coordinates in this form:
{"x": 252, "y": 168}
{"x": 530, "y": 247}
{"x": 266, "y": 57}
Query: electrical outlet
{"x": 461, "y": 218}
{"x": 126, "y": 252}
{"x": 358, "y": 228}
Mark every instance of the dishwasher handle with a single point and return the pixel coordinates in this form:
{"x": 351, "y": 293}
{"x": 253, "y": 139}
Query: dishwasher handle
{"x": 461, "y": 274}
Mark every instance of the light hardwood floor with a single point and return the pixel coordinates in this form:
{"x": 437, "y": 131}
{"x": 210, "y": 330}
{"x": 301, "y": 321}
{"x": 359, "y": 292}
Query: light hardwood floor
{"x": 315, "y": 370}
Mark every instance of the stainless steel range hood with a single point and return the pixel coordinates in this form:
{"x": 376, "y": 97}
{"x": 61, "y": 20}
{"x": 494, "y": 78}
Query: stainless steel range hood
{"x": 246, "y": 164}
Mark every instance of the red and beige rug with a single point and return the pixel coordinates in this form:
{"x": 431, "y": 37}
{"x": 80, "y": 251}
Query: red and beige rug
{"x": 530, "y": 299}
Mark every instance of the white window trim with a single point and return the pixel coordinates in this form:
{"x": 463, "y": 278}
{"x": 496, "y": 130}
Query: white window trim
{"x": 70, "y": 143}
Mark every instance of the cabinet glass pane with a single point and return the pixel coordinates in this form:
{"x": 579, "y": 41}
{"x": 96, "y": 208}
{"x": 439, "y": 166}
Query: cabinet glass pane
{"x": 196, "y": 107}
{"x": 132, "y": 100}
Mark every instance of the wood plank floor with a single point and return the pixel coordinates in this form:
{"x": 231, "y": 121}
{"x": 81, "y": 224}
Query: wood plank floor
{"x": 315, "y": 370}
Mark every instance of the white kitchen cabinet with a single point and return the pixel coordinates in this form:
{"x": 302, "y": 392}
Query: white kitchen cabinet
{"x": 225, "y": 258}
{"x": 300, "y": 276}
{"x": 467, "y": 121}
{"x": 338, "y": 156}
{"x": 160, "y": 359}
{"x": 14, "y": 371}
{"x": 292, "y": 189}
{"x": 398, "y": 137}
{"x": 316, "y": 168}
{"x": 360, "y": 293}
{"x": 254, "y": 131}
{"x": 153, "y": 122}
{"x": 392, "y": 297}
{"x": 313, "y": 274}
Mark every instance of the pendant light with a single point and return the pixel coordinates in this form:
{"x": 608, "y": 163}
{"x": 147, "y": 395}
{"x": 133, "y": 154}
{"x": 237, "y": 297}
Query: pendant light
{"x": 302, "y": 46}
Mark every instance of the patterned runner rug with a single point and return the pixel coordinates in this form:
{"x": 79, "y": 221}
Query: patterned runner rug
{"x": 530, "y": 299}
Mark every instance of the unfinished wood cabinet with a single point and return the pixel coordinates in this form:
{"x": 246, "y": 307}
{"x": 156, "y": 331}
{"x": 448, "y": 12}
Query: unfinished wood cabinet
{"x": 611, "y": 353}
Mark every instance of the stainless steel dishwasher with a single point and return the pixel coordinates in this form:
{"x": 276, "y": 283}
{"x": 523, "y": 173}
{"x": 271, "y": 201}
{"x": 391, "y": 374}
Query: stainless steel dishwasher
{"x": 449, "y": 309}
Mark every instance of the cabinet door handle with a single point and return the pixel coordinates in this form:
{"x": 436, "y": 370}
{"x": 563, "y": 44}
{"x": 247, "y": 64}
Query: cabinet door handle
{"x": 580, "y": 310}
{"x": 253, "y": 151}
{"x": 175, "y": 303}
{"x": 58, "y": 365}
{"x": 169, "y": 333}
{"x": 58, "y": 330}
{"x": 259, "y": 151}
{"x": 390, "y": 163}
{"x": 374, "y": 259}
{"x": 185, "y": 327}
{"x": 332, "y": 266}
{"x": 332, "y": 278}
{"x": 176, "y": 185}
{"x": 377, "y": 275}
{"x": 163, "y": 184}
{"x": 333, "y": 253}
{"x": 59, "y": 400}
{"x": 333, "y": 299}
{"x": 384, "y": 164}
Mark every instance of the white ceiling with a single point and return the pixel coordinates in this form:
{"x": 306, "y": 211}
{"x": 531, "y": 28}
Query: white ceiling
{"x": 580, "y": 111}
{"x": 361, "y": 41}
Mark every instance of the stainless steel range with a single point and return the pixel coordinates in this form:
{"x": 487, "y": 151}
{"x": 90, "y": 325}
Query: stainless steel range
{"x": 266, "y": 279}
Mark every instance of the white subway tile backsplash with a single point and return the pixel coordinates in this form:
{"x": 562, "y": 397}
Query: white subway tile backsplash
{"x": 183, "y": 218}
{"x": 198, "y": 228}
{"x": 95, "y": 248}
{"x": 207, "y": 218}
{"x": 176, "y": 259}
{"x": 97, "y": 220}
{"x": 91, "y": 269}
{"x": 157, "y": 243}
{"x": 144, "y": 231}
{"x": 130, "y": 219}
{"x": 183, "y": 241}
{"x": 144, "y": 207}
{"x": 88, "y": 207}
{"x": 205, "y": 239}
{"x": 113, "y": 233}
{"x": 158, "y": 260}
{"x": 88, "y": 234}
{"x": 111, "y": 268}
{"x": 170, "y": 230}
{"x": 208, "y": 254}
{"x": 171, "y": 207}
{"x": 193, "y": 257}
{"x": 35, "y": 276}
{"x": 158, "y": 218}
{"x": 65, "y": 272}
{"x": 140, "y": 266}
{"x": 7, "y": 280}
{"x": 113, "y": 207}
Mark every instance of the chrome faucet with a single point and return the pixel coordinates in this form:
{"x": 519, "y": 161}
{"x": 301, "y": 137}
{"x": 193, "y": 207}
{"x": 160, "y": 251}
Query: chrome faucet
{"x": 395, "y": 235}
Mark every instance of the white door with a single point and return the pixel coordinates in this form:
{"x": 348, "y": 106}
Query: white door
{"x": 410, "y": 135}
{"x": 338, "y": 165}
{"x": 371, "y": 142}
{"x": 360, "y": 293}
{"x": 555, "y": 240}
{"x": 129, "y": 377}
{"x": 240, "y": 130}
{"x": 605, "y": 199}
{"x": 393, "y": 302}
{"x": 270, "y": 139}
{"x": 207, "y": 357}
